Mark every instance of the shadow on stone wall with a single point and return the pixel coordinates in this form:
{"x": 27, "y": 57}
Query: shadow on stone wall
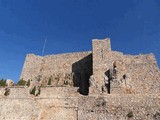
{"x": 82, "y": 70}
{"x": 108, "y": 74}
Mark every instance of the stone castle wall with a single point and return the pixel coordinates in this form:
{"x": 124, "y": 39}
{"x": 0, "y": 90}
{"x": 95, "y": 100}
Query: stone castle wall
{"x": 54, "y": 103}
{"x": 73, "y": 67}
{"x": 142, "y": 72}
{"x": 133, "y": 97}
{"x": 32, "y": 66}
{"x": 65, "y": 103}
{"x": 62, "y": 63}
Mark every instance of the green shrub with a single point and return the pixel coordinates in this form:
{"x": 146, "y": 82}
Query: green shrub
{"x": 21, "y": 82}
{"x": 28, "y": 83}
{"x": 49, "y": 81}
{"x": 2, "y": 82}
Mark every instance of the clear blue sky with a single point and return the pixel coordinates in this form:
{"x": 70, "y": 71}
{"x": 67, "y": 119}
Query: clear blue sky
{"x": 70, "y": 25}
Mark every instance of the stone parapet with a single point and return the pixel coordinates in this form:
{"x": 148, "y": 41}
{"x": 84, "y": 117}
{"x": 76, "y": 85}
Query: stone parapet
{"x": 78, "y": 107}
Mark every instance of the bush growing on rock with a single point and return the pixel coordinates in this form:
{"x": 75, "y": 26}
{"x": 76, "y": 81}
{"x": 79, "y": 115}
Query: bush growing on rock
{"x": 2, "y": 82}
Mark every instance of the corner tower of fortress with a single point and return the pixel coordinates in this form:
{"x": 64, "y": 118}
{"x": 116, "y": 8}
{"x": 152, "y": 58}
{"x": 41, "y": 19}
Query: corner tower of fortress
{"x": 141, "y": 71}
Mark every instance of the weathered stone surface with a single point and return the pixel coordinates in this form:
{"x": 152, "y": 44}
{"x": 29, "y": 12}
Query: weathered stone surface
{"x": 56, "y": 65}
{"x": 20, "y": 105}
{"x": 132, "y": 92}
{"x": 114, "y": 107}
{"x": 73, "y": 106}
{"x": 74, "y": 69}
{"x": 142, "y": 72}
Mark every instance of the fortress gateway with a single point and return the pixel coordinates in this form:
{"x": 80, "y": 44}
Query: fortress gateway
{"x": 96, "y": 85}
